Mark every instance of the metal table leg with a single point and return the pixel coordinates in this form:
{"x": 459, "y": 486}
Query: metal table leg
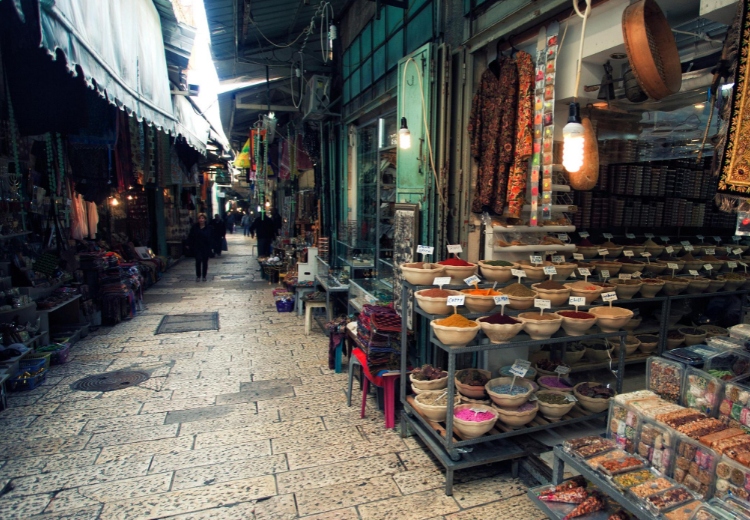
{"x": 558, "y": 470}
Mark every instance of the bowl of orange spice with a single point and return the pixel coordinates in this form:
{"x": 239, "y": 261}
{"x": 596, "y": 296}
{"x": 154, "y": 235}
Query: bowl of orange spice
{"x": 455, "y": 330}
{"x": 480, "y": 300}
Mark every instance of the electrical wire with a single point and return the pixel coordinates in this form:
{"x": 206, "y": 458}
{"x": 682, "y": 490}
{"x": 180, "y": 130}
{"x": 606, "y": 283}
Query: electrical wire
{"x": 294, "y": 77}
{"x": 325, "y": 26}
{"x": 585, "y": 16}
{"x": 306, "y": 31}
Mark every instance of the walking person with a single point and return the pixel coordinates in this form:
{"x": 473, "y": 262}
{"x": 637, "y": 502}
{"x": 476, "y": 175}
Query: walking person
{"x": 245, "y": 222}
{"x": 230, "y": 223}
{"x": 220, "y": 234}
{"x": 265, "y": 228}
{"x": 201, "y": 241}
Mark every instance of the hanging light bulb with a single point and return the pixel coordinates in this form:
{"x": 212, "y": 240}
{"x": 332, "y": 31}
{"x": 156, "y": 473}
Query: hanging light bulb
{"x": 573, "y": 140}
{"x": 404, "y": 136}
{"x": 115, "y": 202}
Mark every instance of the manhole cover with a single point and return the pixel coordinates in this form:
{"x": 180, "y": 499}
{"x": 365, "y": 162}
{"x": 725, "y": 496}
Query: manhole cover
{"x": 109, "y": 381}
{"x": 188, "y": 323}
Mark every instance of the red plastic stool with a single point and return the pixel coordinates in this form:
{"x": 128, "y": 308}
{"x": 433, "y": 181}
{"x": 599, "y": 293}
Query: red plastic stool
{"x": 387, "y": 382}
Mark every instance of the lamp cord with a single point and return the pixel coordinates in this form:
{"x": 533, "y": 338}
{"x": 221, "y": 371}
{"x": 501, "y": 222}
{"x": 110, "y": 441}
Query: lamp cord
{"x": 585, "y": 16}
{"x": 424, "y": 119}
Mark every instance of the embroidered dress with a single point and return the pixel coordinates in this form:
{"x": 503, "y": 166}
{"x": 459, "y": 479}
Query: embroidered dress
{"x": 524, "y": 135}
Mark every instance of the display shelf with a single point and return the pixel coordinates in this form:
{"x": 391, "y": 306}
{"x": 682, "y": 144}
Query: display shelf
{"x": 60, "y": 306}
{"x": 37, "y": 340}
{"x": 558, "y": 467}
{"x": 14, "y": 235}
{"x": 384, "y": 261}
{"x": 558, "y": 510}
{"x": 532, "y": 229}
{"x": 566, "y": 248}
{"x": 556, "y": 208}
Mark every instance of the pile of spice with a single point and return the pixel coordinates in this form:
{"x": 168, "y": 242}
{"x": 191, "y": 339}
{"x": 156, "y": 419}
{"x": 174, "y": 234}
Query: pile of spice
{"x": 584, "y": 286}
{"x": 555, "y": 382}
{"x": 628, "y": 260}
{"x": 552, "y": 398}
{"x": 586, "y": 243}
{"x": 611, "y": 311}
{"x": 499, "y": 319}
{"x": 510, "y": 390}
{"x": 455, "y": 262}
{"x": 433, "y": 398}
{"x": 481, "y": 292}
{"x": 428, "y": 373}
{"x": 539, "y": 317}
{"x": 498, "y": 263}
{"x": 687, "y": 257}
{"x": 457, "y": 320}
{"x": 731, "y": 276}
{"x": 629, "y": 282}
{"x": 706, "y": 258}
{"x": 466, "y": 414}
{"x": 652, "y": 281}
{"x": 595, "y": 391}
{"x": 435, "y": 293}
{"x": 472, "y": 377}
{"x": 650, "y": 243}
{"x": 576, "y": 315}
{"x": 518, "y": 290}
{"x": 550, "y": 285}
{"x": 609, "y": 243}
{"x": 549, "y": 366}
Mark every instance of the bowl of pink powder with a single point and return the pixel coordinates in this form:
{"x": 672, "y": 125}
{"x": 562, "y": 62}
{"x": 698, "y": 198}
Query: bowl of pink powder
{"x": 473, "y": 420}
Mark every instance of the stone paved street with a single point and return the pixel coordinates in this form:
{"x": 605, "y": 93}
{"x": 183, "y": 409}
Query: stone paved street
{"x": 245, "y": 422}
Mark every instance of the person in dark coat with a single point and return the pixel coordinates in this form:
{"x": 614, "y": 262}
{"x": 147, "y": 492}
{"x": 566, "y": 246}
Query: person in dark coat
{"x": 201, "y": 241}
{"x": 220, "y": 233}
{"x": 230, "y": 223}
{"x": 265, "y": 228}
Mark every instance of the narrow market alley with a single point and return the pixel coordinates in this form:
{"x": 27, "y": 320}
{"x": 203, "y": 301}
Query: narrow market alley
{"x": 244, "y": 422}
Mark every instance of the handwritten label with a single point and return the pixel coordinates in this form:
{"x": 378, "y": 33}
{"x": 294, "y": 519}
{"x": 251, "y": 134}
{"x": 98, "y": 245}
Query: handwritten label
{"x": 709, "y": 251}
{"x": 535, "y": 259}
{"x": 708, "y": 267}
{"x": 689, "y": 248}
{"x": 685, "y": 242}
{"x": 717, "y": 239}
{"x": 737, "y": 251}
{"x": 699, "y": 237}
{"x": 558, "y": 259}
{"x": 607, "y": 235}
{"x": 455, "y": 248}
{"x": 562, "y": 370}
{"x": 518, "y": 272}
{"x": 648, "y": 235}
{"x": 743, "y": 264}
{"x": 456, "y": 300}
{"x": 550, "y": 269}
{"x": 584, "y": 271}
{"x": 627, "y": 253}
{"x": 520, "y": 367}
{"x": 736, "y": 239}
{"x": 576, "y": 301}
{"x": 625, "y": 276}
{"x": 501, "y": 300}
{"x": 645, "y": 255}
{"x": 563, "y": 237}
{"x": 664, "y": 239}
{"x": 732, "y": 265}
{"x": 604, "y": 251}
{"x": 585, "y": 234}
{"x": 542, "y": 304}
{"x": 609, "y": 296}
{"x": 637, "y": 274}
{"x": 442, "y": 280}
{"x": 669, "y": 249}
{"x": 694, "y": 272}
{"x": 629, "y": 235}
{"x": 670, "y": 265}
{"x": 604, "y": 273}
{"x": 577, "y": 256}
{"x": 471, "y": 280}
{"x": 425, "y": 250}
{"x": 571, "y": 398}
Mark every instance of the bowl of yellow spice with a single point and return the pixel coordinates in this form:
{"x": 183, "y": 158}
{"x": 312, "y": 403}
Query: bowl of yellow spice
{"x": 455, "y": 330}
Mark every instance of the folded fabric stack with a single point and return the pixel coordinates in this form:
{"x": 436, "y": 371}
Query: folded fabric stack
{"x": 379, "y": 330}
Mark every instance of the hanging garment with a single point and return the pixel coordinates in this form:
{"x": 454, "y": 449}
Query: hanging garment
{"x": 519, "y": 171}
{"x": 92, "y": 213}
{"x": 492, "y": 132}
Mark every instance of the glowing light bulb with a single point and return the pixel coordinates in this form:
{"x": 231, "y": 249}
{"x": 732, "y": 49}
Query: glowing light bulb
{"x": 404, "y": 136}
{"x": 573, "y": 141}
{"x": 115, "y": 202}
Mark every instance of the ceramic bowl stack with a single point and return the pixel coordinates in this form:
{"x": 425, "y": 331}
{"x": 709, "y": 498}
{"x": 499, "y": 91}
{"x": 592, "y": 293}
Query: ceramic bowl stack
{"x": 535, "y": 272}
{"x": 479, "y": 302}
{"x": 584, "y": 289}
{"x": 649, "y": 342}
{"x": 500, "y": 333}
{"x": 632, "y": 267}
{"x": 611, "y": 319}
{"x": 651, "y": 287}
{"x": 459, "y": 273}
{"x": 588, "y": 252}
{"x": 553, "y": 412}
{"x": 420, "y": 386}
{"x": 575, "y": 323}
{"x": 592, "y": 404}
{"x": 517, "y": 417}
{"x": 626, "y": 289}
{"x": 540, "y": 326}
{"x": 674, "y": 286}
{"x": 697, "y": 285}
{"x": 521, "y": 303}
{"x": 474, "y": 392}
{"x": 693, "y": 335}
{"x": 557, "y": 297}
{"x": 631, "y": 345}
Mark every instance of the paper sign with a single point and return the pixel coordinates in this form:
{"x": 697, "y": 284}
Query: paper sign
{"x": 736, "y": 239}
{"x": 471, "y": 280}
{"x": 585, "y": 234}
{"x": 442, "y": 280}
{"x": 535, "y": 259}
{"x": 670, "y": 265}
{"x": 732, "y": 265}
{"x": 562, "y": 370}
{"x": 455, "y": 248}
{"x": 685, "y": 242}
{"x": 607, "y": 235}
{"x": 425, "y": 250}
{"x": 645, "y": 255}
{"x": 648, "y": 235}
{"x": 518, "y": 272}
{"x": 501, "y": 300}
{"x": 637, "y": 274}
{"x": 669, "y": 249}
{"x": 525, "y": 363}
{"x": 563, "y": 237}
{"x": 709, "y": 251}
{"x": 625, "y": 276}
{"x": 737, "y": 251}
{"x": 699, "y": 237}
{"x": 542, "y": 304}
{"x": 571, "y": 398}
{"x": 629, "y": 235}
{"x": 558, "y": 259}
{"x": 627, "y": 253}
{"x": 577, "y": 256}
{"x": 518, "y": 371}
{"x": 576, "y": 300}
{"x": 694, "y": 272}
{"x": 550, "y": 269}
{"x": 604, "y": 273}
{"x": 743, "y": 264}
{"x": 717, "y": 239}
{"x": 708, "y": 267}
{"x": 664, "y": 239}
{"x": 689, "y": 248}
{"x": 609, "y": 296}
{"x": 604, "y": 251}
{"x": 584, "y": 271}
{"x": 456, "y": 300}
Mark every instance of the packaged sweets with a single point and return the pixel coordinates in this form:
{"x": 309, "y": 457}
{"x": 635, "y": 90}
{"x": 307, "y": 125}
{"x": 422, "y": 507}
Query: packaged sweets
{"x": 735, "y": 506}
{"x": 707, "y": 512}
{"x": 651, "y": 487}
{"x": 664, "y": 377}
{"x": 677, "y": 418}
{"x": 652, "y": 407}
{"x": 595, "y": 446}
{"x": 702, "y": 391}
{"x": 728, "y": 366}
{"x": 594, "y": 462}
{"x": 664, "y": 500}
{"x": 684, "y": 512}
{"x": 621, "y": 464}
{"x": 694, "y": 466}
{"x": 622, "y": 426}
{"x": 701, "y": 427}
{"x": 633, "y": 478}
{"x": 656, "y": 445}
{"x": 634, "y": 396}
{"x": 732, "y": 479}
{"x": 734, "y": 409}
{"x": 719, "y": 438}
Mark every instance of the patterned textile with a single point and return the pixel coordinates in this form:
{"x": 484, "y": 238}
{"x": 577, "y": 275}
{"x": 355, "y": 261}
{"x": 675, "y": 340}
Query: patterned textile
{"x": 735, "y": 166}
{"x": 492, "y": 131}
{"x": 519, "y": 172}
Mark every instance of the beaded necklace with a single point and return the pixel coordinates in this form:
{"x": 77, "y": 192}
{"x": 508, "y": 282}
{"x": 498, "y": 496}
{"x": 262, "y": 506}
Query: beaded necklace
{"x": 50, "y": 164}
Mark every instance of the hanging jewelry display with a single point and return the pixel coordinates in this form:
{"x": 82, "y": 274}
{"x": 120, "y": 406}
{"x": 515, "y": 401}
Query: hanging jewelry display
{"x": 51, "y": 165}
{"x": 292, "y": 147}
{"x": 536, "y": 158}
{"x": 549, "y": 119}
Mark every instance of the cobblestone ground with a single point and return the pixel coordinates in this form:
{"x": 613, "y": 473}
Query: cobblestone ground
{"x": 241, "y": 423}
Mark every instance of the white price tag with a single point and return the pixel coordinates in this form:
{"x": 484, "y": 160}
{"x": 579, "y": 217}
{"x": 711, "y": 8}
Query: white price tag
{"x": 584, "y": 271}
{"x": 737, "y": 251}
{"x": 629, "y": 235}
{"x": 709, "y": 251}
{"x": 607, "y": 235}
{"x": 455, "y": 248}
{"x": 717, "y": 239}
{"x": 518, "y": 272}
{"x": 648, "y": 235}
{"x": 471, "y": 280}
{"x": 670, "y": 265}
{"x": 550, "y": 269}
{"x": 627, "y": 253}
{"x": 689, "y": 248}
{"x": 542, "y": 304}
{"x": 669, "y": 249}
{"x": 625, "y": 276}
{"x": 707, "y": 267}
{"x": 501, "y": 300}
{"x": 604, "y": 251}
{"x": 743, "y": 264}
{"x": 442, "y": 280}
{"x": 609, "y": 296}
{"x": 563, "y": 237}
{"x": 577, "y": 256}
{"x": 604, "y": 273}
{"x": 694, "y": 272}
{"x": 571, "y": 398}
{"x": 664, "y": 239}
{"x": 576, "y": 300}
{"x": 425, "y": 250}
{"x": 736, "y": 239}
{"x": 685, "y": 242}
{"x": 558, "y": 259}
{"x": 699, "y": 237}
{"x": 732, "y": 265}
{"x": 585, "y": 234}
{"x": 520, "y": 367}
{"x": 637, "y": 274}
{"x": 645, "y": 255}
{"x": 562, "y": 370}
{"x": 535, "y": 259}
{"x": 456, "y": 300}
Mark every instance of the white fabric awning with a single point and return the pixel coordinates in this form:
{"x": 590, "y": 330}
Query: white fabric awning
{"x": 190, "y": 124}
{"x": 118, "y": 45}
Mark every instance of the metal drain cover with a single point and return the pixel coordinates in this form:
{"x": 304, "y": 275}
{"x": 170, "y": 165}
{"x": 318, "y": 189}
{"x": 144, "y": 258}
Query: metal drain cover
{"x": 109, "y": 381}
{"x": 177, "y": 323}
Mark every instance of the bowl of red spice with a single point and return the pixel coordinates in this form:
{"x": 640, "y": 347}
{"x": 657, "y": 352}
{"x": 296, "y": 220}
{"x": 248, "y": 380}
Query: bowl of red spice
{"x": 455, "y": 330}
{"x": 576, "y": 323}
{"x": 421, "y": 273}
{"x": 473, "y": 420}
{"x": 435, "y": 301}
{"x": 585, "y": 289}
{"x": 497, "y": 270}
{"x": 458, "y": 269}
{"x": 480, "y": 300}
{"x": 553, "y": 291}
{"x": 626, "y": 289}
{"x": 470, "y": 382}
{"x": 499, "y": 327}
{"x": 651, "y": 287}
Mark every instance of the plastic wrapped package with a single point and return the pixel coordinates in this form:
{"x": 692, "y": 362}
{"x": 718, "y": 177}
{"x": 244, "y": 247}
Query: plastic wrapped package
{"x": 732, "y": 479}
{"x": 646, "y": 489}
{"x": 622, "y": 464}
{"x": 635, "y": 396}
{"x": 656, "y": 445}
{"x": 683, "y": 512}
{"x": 734, "y": 505}
{"x": 665, "y": 377}
{"x": 625, "y": 481}
{"x": 734, "y": 409}
{"x": 694, "y": 466}
{"x": 586, "y": 447}
{"x": 708, "y": 512}
{"x": 741, "y": 331}
{"x": 724, "y": 343}
{"x": 702, "y": 391}
{"x": 680, "y": 417}
{"x": 660, "y": 502}
{"x": 652, "y": 407}
{"x": 623, "y": 426}
{"x": 616, "y": 454}
{"x": 728, "y": 366}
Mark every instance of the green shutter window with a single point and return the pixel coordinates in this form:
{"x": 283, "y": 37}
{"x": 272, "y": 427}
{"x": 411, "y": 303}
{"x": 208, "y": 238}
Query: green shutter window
{"x": 378, "y": 63}
{"x": 366, "y": 41}
{"x": 394, "y": 18}
{"x": 395, "y": 48}
{"x": 419, "y": 30}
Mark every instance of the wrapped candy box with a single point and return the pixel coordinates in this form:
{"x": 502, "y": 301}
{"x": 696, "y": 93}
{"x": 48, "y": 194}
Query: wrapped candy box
{"x": 732, "y": 479}
{"x": 656, "y": 445}
{"x": 734, "y": 410}
{"x": 694, "y": 466}
{"x": 623, "y": 426}
{"x": 665, "y": 377}
{"x": 702, "y": 391}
